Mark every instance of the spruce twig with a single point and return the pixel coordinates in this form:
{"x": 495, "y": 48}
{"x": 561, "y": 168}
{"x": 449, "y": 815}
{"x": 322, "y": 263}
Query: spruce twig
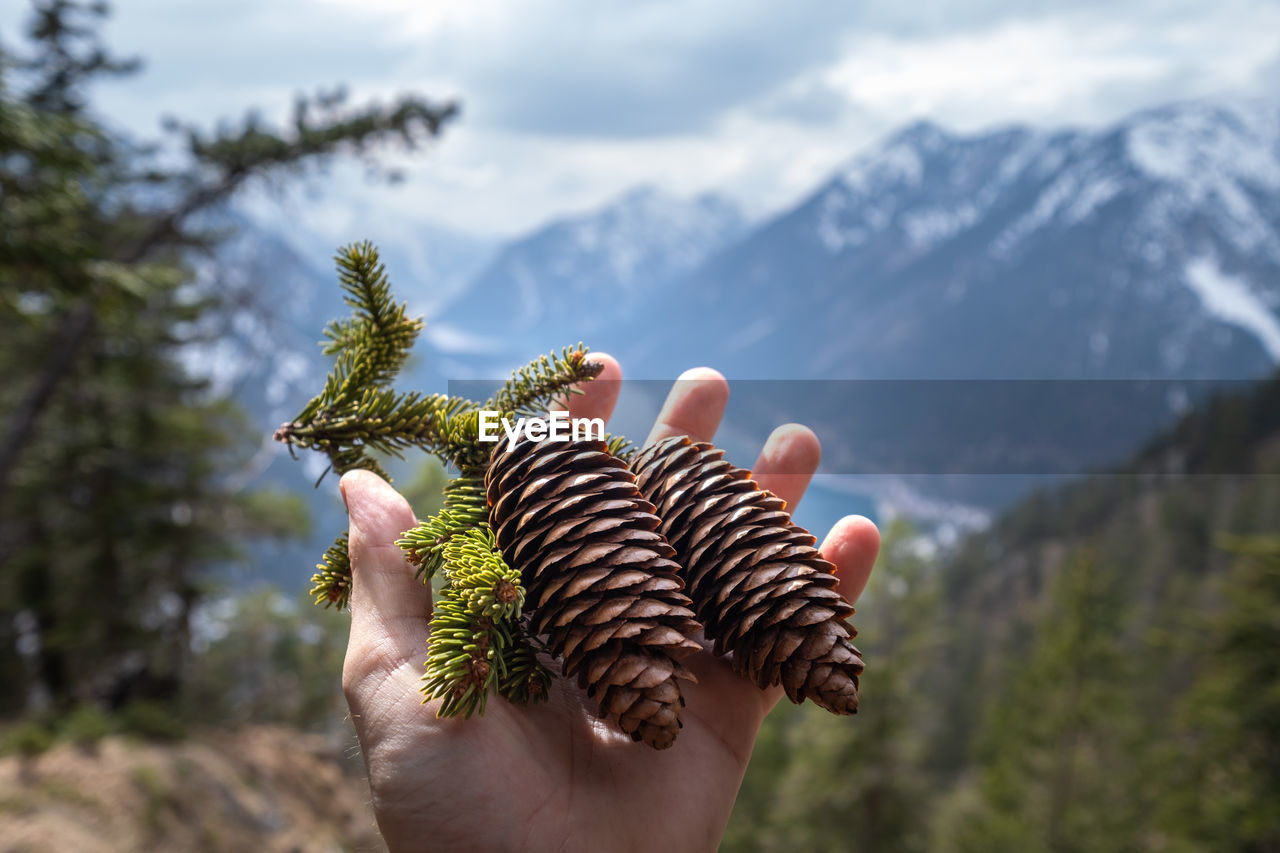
{"x": 479, "y": 641}
{"x": 532, "y": 389}
{"x": 476, "y": 641}
{"x": 465, "y": 508}
{"x": 331, "y": 584}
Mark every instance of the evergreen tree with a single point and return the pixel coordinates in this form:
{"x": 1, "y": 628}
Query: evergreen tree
{"x": 114, "y": 493}
{"x": 1223, "y": 768}
{"x": 822, "y": 783}
{"x": 263, "y": 657}
{"x": 1061, "y": 749}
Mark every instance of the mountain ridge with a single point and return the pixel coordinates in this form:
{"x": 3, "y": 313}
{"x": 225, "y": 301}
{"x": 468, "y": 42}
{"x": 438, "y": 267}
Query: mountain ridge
{"x": 920, "y": 246}
{"x": 593, "y": 268}
{"x": 1145, "y": 249}
{"x": 1013, "y": 252}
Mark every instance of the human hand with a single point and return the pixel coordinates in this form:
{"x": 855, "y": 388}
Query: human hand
{"x": 552, "y": 776}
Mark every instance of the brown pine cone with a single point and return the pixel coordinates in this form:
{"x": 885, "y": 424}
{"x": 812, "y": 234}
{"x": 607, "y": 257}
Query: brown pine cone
{"x": 760, "y": 587}
{"x": 601, "y": 586}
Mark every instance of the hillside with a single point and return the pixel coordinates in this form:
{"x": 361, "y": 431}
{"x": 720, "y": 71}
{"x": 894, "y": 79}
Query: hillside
{"x": 1083, "y": 675}
{"x": 1157, "y": 528}
{"x": 261, "y": 788}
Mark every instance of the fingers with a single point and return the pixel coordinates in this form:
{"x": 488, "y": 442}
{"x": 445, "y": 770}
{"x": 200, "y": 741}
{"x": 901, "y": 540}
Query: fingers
{"x": 787, "y": 462}
{"x": 600, "y": 395}
{"x": 694, "y": 406}
{"x": 852, "y": 545}
{"x": 389, "y": 606}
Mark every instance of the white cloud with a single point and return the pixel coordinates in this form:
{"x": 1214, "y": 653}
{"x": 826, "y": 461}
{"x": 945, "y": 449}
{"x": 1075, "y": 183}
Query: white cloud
{"x": 568, "y": 103}
{"x": 1020, "y": 69}
{"x": 1079, "y": 67}
{"x": 1074, "y": 68}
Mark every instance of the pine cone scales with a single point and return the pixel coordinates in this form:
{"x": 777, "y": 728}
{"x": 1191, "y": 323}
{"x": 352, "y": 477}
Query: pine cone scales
{"x": 601, "y": 585}
{"x": 758, "y": 584}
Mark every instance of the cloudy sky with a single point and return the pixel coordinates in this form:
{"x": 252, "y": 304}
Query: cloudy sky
{"x": 569, "y": 103}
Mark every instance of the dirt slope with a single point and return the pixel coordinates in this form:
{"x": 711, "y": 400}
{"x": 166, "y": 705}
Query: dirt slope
{"x": 263, "y": 788}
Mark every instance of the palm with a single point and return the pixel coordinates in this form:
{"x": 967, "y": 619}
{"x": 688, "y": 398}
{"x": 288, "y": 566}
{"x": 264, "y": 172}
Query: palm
{"x": 553, "y": 776}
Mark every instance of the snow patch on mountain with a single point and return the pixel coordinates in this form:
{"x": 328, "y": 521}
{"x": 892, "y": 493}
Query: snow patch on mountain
{"x": 1230, "y": 299}
{"x": 1028, "y": 145}
{"x": 834, "y": 237}
{"x": 1200, "y": 145}
{"x": 898, "y": 163}
{"x": 929, "y": 227}
{"x": 1092, "y": 196}
{"x": 1214, "y": 158}
{"x": 1070, "y": 199}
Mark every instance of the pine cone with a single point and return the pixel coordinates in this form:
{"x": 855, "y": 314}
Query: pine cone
{"x": 600, "y": 583}
{"x": 759, "y": 586}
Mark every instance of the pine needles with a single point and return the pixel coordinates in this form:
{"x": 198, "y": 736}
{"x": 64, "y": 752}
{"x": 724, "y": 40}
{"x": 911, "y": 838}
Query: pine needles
{"x": 479, "y": 642}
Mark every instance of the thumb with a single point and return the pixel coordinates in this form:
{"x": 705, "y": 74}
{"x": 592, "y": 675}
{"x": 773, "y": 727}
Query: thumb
{"x": 389, "y": 606}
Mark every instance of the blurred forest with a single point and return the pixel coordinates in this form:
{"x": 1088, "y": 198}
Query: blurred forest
{"x": 120, "y": 494}
{"x": 1100, "y": 670}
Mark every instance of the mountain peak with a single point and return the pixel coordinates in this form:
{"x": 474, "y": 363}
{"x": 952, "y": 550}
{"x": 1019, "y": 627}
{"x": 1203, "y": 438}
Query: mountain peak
{"x": 1195, "y": 142}
{"x": 649, "y": 200}
{"x": 603, "y": 259}
{"x": 644, "y": 233}
{"x": 1146, "y": 248}
{"x": 922, "y": 134}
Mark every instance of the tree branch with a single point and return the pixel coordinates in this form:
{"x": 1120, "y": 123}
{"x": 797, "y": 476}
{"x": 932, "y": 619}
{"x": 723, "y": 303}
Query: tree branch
{"x": 74, "y": 332}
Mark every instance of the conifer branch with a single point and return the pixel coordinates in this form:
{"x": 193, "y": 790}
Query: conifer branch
{"x": 489, "y": 588}
{"x": 376, "y": 340}
{"x": 474, "y": 628}
{"x": 380, "y": 420}
{"x": 479, "y": 642}
{"x": 463, "y": 657}
{"x": 532, "y": 389}
{"x": 465, "y": 508}
{"x": 372, "y": 345}
{"x": 527, "y": 680}
{"x": 620, "y": 446}
{"x": 331, "y": 584}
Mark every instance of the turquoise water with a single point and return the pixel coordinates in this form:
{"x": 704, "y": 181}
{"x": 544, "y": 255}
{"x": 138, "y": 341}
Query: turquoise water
{"x": 828, "y": 499}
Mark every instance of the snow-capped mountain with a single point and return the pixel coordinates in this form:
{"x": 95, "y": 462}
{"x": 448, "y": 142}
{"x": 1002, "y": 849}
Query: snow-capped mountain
{"x": 1147, "y": 249}
{"x": 579, "y": 276}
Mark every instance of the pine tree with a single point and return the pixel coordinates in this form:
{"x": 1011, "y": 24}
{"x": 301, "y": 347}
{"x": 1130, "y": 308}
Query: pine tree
{"x": 1061, "y": 749}
{"x": 1222, "y": 768}
{"x": 113, "y": 457}
{"x": 269, "y": 658}
{"x": 816, "y": 783}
